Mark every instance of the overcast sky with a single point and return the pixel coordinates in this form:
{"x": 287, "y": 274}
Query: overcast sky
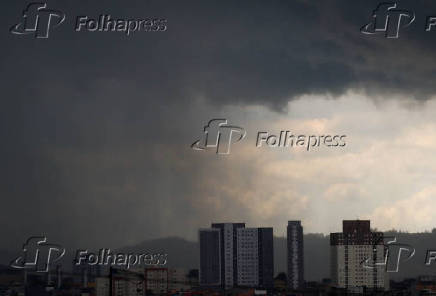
{"x": 96, "y": 127}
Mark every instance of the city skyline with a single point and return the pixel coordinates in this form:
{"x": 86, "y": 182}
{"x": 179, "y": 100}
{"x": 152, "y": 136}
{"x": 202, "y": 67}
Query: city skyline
{"x": 234, "y": 257}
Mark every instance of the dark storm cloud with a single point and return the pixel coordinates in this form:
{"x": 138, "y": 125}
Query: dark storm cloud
{"x": 258, "y": 52}
{"x": 92, "y": 123}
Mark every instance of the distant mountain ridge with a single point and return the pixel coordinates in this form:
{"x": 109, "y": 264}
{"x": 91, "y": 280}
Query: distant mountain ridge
{"x": 185, "y": 254}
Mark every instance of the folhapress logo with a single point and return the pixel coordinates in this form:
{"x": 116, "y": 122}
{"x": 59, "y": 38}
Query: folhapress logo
{"x": 218, "y": 134}
{"x": 38, "y": 255}
{"x": 388, "y": 20}
{"x": 395, "y": 253}
{"x": 38, "y": 20}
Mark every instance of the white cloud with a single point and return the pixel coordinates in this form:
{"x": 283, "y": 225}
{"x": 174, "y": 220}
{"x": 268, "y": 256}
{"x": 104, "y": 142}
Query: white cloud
{"x": 388, "y": 158}
{"x": 414, "y": 213}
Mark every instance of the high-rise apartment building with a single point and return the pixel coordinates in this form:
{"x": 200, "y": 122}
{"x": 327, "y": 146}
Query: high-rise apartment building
{"x": 218, "y": 244}
{"x": 295, "y": 249}
{"x": 210, "y": 257}
{"x": 229, "y": 268}
{"x": 255, "y": 259}
{"x": 232, "y": 255}
{"x": 248, "y": 257}
{"x": 350, "y": 249}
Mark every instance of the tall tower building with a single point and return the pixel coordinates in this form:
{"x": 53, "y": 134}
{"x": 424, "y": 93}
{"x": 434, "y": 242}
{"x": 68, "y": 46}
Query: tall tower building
{"x": 349, "y": 249}
{"x": 224, "y": 236}
{"x": 255, "y": 258}
{"x": 295, "y": 248}
{"x": 210, "y": 257}
{"x": 229, "y": 267}
{"x": 266, "y": 258}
